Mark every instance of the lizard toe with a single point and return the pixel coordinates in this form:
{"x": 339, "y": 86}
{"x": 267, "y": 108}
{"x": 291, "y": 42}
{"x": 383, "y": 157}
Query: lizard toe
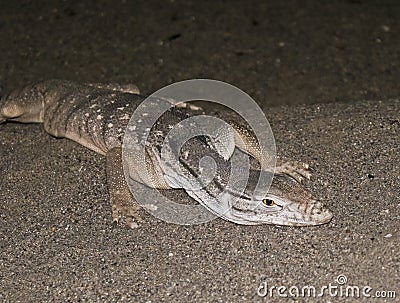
{"x": 127, "y": 215}
{"x": 295, "y": 169}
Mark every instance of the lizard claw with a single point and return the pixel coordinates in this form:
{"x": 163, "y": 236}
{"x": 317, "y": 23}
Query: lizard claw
{"x": 295, "y": 169}
{"x": 127, "y": 215}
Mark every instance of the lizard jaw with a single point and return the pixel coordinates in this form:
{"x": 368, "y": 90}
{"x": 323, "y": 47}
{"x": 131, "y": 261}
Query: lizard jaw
{"x": 288, "y": 216}
{"x": 316, "y": 214}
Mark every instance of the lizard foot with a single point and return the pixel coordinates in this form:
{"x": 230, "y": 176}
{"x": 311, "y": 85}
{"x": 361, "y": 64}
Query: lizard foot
{"x": 124, "y": 207}
{"x": 127, "y": 215}
{"x": 295, "y": 169}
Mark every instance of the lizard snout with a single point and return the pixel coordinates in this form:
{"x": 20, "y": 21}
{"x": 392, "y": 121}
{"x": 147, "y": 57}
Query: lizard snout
{"x": 319, "y": 213}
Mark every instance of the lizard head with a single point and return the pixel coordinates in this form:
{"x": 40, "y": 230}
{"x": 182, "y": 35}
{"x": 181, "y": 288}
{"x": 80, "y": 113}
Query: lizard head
{"x": 287, "y": 202}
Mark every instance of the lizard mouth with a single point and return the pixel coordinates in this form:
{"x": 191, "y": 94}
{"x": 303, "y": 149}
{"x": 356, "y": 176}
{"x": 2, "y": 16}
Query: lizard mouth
{"x": 319, "y": 219}
{"x": 316, "y": 214}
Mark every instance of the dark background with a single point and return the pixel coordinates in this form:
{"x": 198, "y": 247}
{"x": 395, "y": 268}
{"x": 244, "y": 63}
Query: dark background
{"x": 323, "y": 60}
{"x": 280, "y": 52}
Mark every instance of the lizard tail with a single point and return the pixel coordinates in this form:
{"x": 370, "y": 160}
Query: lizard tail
{"x": 22, "y": 106}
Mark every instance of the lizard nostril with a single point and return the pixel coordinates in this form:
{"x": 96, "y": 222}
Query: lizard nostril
{"x": 316, "y": 208}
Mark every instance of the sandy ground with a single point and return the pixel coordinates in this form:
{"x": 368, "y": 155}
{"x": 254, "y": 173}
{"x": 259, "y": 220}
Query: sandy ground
{"x": 56, "y": 237}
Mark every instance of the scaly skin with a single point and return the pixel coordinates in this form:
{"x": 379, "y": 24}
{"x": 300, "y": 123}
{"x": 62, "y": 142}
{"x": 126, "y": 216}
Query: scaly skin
{"x": 96, "y": 116}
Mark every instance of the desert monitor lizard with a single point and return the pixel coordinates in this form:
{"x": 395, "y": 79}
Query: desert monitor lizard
{"x": 96, "y": 115}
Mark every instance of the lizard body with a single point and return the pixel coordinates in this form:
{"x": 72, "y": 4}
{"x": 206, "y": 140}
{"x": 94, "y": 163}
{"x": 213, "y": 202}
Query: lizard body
{"x": 96, "y": 116}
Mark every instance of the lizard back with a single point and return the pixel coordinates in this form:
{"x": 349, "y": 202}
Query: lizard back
{"x": 95, "y": 118}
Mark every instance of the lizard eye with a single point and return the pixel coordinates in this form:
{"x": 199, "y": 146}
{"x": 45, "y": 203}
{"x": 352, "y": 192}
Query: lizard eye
{"x": 268, "y": 202}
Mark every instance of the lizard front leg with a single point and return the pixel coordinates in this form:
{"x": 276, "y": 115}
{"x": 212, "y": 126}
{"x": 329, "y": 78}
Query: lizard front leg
{"x": 247, "y": 141}
{"x": 124, "y": 206}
